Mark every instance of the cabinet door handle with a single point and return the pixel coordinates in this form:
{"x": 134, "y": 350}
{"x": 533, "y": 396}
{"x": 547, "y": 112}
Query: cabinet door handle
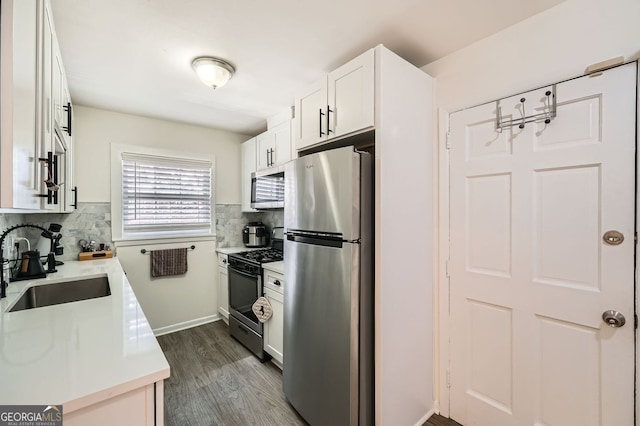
{"x": 49, "y": 166}
{"x": 320, "y": 117}
{"x": 276, "y": 282}
{"x": 329, "y": 111}
{"x": 75, "y": 197}
{"x": 68, "y": 109}
{"x": 55, "y": 178}
{"x": 272, "y": 160}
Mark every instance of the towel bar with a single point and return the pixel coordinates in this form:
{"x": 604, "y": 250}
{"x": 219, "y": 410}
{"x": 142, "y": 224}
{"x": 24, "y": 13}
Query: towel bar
{"x": 145, "y": 251}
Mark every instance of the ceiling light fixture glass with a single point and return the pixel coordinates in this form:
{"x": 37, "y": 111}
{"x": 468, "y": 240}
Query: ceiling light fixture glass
{"x": 212, "y": 71}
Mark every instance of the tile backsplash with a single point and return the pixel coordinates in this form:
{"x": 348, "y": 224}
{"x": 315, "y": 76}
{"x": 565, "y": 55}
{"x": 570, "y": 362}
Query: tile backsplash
{"x": 230, "y": 221}
{"x": 92, "y": 221}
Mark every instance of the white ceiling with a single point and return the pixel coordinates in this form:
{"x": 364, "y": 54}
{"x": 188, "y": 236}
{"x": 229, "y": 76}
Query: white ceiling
{"x": 135, "y": 56}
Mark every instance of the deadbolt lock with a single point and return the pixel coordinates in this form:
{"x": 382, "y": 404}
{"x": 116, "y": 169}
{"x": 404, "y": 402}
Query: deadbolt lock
{"x": 613, "y": 238}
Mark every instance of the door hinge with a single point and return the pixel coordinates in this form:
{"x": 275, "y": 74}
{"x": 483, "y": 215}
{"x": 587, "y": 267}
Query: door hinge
{"x": 446, "y": 268}
{"x": 448, "y": 140}
{"x": 448, "y": 379}
{"x": 635, "y": 321}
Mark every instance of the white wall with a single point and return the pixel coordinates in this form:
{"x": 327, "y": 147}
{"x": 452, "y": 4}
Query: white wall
{"x": 96, "y": 129}
{"x": 176, "y": 302}
{"x": 552, "y": 46}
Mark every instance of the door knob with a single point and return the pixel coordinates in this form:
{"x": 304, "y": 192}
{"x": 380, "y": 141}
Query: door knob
{"x": 613, "y": 318}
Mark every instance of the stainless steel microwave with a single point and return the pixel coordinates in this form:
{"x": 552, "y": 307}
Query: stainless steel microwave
{"x": 267, "y": 189}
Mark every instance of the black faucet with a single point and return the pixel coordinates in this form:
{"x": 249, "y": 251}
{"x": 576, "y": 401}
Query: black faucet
{"x": 3, "y": 283}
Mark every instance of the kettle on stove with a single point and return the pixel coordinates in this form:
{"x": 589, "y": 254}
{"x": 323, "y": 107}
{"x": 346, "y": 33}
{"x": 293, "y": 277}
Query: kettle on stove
{"x": 254, "y": 234}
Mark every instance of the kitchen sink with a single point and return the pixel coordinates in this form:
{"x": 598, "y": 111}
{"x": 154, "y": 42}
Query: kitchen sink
{"x": 63, "y": 292}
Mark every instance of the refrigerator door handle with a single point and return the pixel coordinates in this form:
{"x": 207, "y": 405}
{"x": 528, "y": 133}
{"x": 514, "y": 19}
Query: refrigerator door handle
{"x": 316, "y": 239}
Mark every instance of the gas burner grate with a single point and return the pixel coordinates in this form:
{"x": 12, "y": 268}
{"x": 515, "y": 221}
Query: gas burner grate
{"x": 260, "y": 256}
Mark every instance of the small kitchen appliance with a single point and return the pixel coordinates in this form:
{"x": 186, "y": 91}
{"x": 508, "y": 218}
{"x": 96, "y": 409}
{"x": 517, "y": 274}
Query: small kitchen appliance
{"x": 254, "y": 234}
{"x": 267, "y": 189}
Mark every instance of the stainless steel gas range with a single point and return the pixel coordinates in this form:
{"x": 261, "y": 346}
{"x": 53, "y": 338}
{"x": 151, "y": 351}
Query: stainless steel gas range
{"x": 245, "y": 287}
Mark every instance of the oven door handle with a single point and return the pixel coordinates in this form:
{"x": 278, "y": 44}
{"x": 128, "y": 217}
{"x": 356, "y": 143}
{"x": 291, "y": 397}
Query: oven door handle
{"x": 252, "y": 276}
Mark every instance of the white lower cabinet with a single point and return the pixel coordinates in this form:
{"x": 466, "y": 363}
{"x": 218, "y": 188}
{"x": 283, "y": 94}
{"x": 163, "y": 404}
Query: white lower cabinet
{"x": 223, "y": 287}
{"x": 143, "y": 406}
{"x": 274, "y": 327}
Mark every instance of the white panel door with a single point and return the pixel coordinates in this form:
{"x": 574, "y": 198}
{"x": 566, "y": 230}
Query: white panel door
{"x": 530, "y": 272}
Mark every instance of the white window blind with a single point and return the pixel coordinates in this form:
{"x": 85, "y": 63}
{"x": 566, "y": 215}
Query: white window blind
{"x": 165, "y": 194}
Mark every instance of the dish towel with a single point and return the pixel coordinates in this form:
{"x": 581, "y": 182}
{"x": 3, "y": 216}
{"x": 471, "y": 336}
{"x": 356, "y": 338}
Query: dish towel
{"x": 168, "y": 262}
{"x": 262, "y": 309}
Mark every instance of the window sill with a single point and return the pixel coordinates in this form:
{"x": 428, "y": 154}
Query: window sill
{"x": 125, "y": 242}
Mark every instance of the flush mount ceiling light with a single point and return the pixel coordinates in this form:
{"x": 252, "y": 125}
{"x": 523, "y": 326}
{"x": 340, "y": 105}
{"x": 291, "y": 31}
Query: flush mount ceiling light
{"x": 212, "y": 71}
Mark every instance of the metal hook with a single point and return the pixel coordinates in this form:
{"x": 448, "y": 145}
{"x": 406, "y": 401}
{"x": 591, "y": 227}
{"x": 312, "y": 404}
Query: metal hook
{"x": 522, "y": 101}
{"x": 548, "y": 119}
{"x": 498, "y": 117}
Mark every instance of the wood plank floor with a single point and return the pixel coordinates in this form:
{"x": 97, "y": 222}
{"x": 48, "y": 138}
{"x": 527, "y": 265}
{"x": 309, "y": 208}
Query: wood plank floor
{"x": 215, "y": 381}
{"x": 437, "y": 420}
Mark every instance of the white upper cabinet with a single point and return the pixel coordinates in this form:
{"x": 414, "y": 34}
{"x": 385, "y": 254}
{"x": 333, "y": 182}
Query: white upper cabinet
{"x": 70, "y": 190}
{"x": 248, "y": 166}
{"x": 351, "y": 96}
{"x": 19, "y": 85}
{"x": 274, "y": 146}
{"x": 310, "y": 123}
{"x": 339, "y": 104}
{"x": 33, "y": 86}
{"x": 58, "y": 82}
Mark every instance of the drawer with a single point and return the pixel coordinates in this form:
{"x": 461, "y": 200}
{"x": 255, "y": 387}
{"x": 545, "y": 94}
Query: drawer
{"x": 222, "y": 260}
{"x": 274, "y": 281}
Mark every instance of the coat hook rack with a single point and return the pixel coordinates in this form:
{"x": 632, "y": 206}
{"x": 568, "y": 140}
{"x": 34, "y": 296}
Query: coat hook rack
{"x": 549, "y": 112}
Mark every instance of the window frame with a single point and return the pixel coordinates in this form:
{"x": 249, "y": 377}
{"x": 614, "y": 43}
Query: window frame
{"x": 117, "y": 228}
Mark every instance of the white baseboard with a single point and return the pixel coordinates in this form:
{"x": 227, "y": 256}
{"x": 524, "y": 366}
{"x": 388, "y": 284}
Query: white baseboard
{"x": 425, "y": 417}
{"x": 184, "y": 325}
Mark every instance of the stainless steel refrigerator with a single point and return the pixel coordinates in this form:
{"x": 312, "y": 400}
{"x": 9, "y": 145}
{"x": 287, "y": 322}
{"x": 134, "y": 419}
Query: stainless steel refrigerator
{"x": 328, "y": 306}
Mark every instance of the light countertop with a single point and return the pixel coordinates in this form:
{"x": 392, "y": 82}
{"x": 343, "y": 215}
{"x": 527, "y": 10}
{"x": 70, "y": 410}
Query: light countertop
{"x": 229, "y": 250}
{"x": 274, "y": 266}
{"x": 77, "y": 353}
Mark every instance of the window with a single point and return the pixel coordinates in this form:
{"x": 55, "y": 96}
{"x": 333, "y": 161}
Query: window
{"x": 163, "y": 195}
